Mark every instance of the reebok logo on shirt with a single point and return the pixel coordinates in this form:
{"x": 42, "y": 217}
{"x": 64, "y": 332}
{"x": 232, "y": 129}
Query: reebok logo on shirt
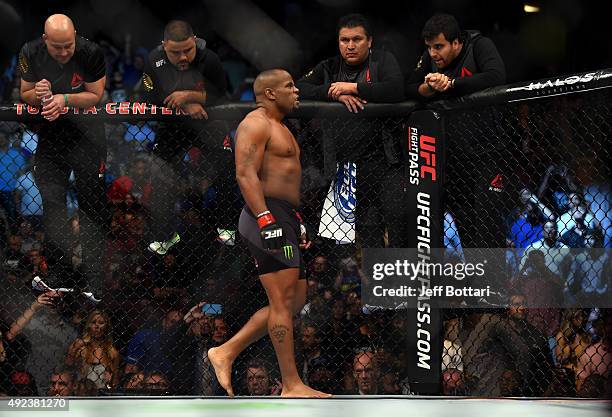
{"x": 77, "y": 81}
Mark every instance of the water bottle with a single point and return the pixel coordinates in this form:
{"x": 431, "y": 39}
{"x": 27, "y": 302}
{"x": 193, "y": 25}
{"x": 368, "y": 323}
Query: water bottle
{"x": 45, "y": 99}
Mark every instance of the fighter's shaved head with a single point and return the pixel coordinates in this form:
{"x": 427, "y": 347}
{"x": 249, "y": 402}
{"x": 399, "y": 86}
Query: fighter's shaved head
{"x": 275, "y": 90}
{"x": 267, "y": 79}
{"x": 59, "y": 25}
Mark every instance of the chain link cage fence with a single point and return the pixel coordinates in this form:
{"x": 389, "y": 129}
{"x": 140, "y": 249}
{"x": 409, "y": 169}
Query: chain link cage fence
{"x": 532, "y": 176}
{"x": 84, "y": 197}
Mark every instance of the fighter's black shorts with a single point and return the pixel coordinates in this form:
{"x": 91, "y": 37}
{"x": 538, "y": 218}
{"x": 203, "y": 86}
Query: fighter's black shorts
{"x": 267, "y": 260}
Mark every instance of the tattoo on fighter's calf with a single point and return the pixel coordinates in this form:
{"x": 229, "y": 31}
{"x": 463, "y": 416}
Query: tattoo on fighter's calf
{"x": 279, "y": 332}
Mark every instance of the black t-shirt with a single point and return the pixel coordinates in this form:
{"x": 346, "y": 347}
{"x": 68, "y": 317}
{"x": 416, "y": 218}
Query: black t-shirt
{"x": 86, "y": 66}
{"x": 161, "y": 77}
{"x": 353, "y": 73}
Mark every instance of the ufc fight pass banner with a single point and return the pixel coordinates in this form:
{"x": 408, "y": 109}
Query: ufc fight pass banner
{"x": 424, "y": 151}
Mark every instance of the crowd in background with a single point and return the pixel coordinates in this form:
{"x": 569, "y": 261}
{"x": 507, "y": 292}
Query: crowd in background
{"x": 151, "y": 333}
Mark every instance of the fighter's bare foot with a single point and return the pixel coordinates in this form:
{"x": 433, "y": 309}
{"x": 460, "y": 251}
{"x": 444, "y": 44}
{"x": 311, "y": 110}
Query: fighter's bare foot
{"x": 223, "y": 369}
{"x": 303, "y": 391}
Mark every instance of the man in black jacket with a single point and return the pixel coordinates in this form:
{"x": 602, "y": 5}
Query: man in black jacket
{"x": 476, "y": 183}
{"x": 181, "y": 73}
{"x": 455, "y": 63}
{"x": 498, "y": 342}
{"x": 360, "y": 75}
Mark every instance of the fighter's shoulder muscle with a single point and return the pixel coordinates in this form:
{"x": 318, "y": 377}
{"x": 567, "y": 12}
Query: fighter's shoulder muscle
{"x": 255, "y": 127}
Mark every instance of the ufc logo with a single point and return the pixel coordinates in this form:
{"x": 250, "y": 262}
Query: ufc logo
{"x": 271, "y": 234}
{"x": 428, "y": 153}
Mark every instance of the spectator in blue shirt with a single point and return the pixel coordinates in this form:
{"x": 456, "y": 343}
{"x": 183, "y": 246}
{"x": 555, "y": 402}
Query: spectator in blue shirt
{"x": 452, "y": 242}
{"x": 140, "y": 135}
{"x": 145, "y": 350}
{"x": 525, "y": 230}
{"x": 11, "y": 163}
{"x": 29, "y": 142}
{"x": 29, "y": 198}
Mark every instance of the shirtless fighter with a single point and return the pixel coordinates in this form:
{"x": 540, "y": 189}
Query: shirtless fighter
{"x": 268, "y": 172}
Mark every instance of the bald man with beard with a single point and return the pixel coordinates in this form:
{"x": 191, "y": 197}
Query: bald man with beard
{"x": 269, "y": 174}
{"x": 59, "y": 70}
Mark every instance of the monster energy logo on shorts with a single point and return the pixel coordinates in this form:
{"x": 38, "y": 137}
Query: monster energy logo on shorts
{"x": 288, "y": 251}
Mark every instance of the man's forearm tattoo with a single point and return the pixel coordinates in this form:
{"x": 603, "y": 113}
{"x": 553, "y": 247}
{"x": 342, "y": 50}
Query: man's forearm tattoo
{"x": 279, "y": 332}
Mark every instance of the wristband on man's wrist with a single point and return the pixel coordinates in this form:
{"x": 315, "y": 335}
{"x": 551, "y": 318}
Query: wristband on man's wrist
{"x": 65, "y": 100}
{"x": 265, "y": 218}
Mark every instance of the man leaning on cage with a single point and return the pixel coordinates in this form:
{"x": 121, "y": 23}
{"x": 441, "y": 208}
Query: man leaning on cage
{"x": 58, "y": 70}
{"x": 181, "y": 73}
{"x": 359, "y": 75}
{"x": 455, "y": 63}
